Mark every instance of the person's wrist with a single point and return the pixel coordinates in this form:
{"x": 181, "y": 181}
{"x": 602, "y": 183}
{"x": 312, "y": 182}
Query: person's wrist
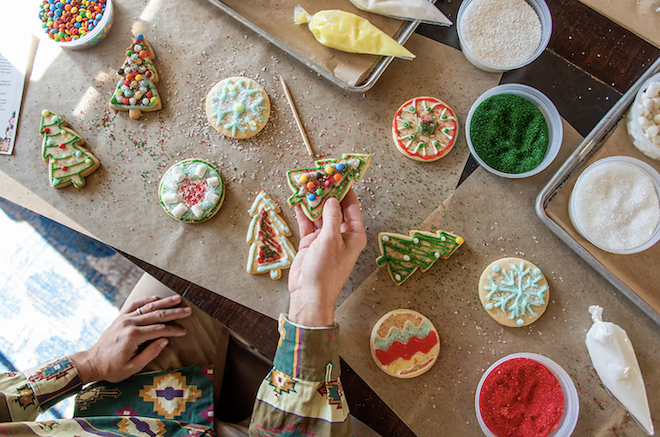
{"x": 83, "y": 364}
{"x": 310, "y": 312}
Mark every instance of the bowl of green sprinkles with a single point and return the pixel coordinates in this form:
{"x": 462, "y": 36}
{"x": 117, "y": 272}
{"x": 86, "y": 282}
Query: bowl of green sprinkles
{"x": 514, "y": 131}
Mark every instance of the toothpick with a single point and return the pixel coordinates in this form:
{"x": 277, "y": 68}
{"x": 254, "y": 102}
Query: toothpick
{"x": 297, "y": 117}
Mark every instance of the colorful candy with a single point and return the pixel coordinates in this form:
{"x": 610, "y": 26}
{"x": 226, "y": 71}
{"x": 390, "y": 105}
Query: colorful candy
{"x": 68, "y": 20}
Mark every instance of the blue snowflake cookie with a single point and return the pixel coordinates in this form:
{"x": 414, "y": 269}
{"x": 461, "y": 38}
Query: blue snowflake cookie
{"x": 238, "y": 107}
{"x": 514, "y": 292}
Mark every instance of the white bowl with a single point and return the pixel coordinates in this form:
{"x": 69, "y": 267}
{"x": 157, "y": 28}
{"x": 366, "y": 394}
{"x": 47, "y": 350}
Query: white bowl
{"x": 655, "y": 176}
{"x": 541, "y": 9}
{"x": 635, "y": 131}
{"x": 547, "y": 108}
{"x": 97, "y": 34}
{"x": 571, "y": 400}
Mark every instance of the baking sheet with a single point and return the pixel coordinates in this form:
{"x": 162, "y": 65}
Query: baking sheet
{"x": 195, "y": 48}
{"x": 497, "y": 219}
{"x": 276, "y": 19}
{"x": 637, "y": 271}
{"x": 639, "y": 16}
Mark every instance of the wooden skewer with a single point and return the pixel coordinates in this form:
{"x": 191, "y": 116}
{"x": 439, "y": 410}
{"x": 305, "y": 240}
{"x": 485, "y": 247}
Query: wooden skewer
{"x": 297, "y": 117}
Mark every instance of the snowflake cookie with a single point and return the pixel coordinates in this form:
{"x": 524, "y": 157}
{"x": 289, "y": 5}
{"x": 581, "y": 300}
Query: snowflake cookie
{"x": 424, "y": 129}
{"x": 238, "y": 107}
{"x": 404, "y": 343}
{"x": 404, "y": 254}
{"x": 192, "y": 191}
{"x": 514, "y": 292}
{"x": 270, "y": 249}
{"x": 312, "y": 187}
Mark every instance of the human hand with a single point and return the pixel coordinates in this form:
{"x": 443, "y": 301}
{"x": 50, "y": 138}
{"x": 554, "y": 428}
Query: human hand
{"x": 327, "y": 254}
{"x": 115, "y": 356}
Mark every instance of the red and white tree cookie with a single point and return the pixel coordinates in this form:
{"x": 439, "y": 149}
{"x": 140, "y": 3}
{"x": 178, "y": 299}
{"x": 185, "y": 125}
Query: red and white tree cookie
{"x": 425, "y": 129}
{"x": 270, "y": 249}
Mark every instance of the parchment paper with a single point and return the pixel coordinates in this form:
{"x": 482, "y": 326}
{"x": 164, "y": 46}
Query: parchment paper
{"x": 276, "y": 18}
{"x": 497, "y": 219}
{"x": 639, "y": 271}
{"x": 196, "y": 46}
{"x": 639, "y": 16}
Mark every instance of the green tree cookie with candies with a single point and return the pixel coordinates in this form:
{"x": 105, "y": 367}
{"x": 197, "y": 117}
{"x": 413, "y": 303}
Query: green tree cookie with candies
{"x": 135, "y": 91}
{"x": 68, "y": 162}
{"x": 312, "y": 187}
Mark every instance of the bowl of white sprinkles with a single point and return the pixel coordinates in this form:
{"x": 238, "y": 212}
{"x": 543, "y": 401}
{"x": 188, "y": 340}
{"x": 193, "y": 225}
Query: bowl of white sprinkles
{"x": 615, "y": 205}
{"x": 503, "y": 35}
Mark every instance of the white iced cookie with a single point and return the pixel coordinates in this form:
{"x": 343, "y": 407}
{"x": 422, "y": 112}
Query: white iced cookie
{"x": 191, "y": 191}
{"x": 238, "y": 107}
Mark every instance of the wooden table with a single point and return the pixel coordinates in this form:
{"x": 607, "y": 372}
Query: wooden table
{"x": 589, "y": 64}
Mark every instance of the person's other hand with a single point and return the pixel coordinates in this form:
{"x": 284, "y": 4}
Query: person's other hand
{"x": 327, "y": 254}
{"x": 116, "y": 355}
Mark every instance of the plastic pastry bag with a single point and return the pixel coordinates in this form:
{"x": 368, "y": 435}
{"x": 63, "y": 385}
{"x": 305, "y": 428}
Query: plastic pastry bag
{"x": 349, "y": 33}
{"x": 615, "y": 362}
{"x": 422, "y": 10}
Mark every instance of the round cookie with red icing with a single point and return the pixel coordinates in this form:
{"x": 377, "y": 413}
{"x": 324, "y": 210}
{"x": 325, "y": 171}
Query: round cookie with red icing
{"x": 404, "y": 343}
{"x": 192, "y": 191}
{"x": 425, "y": 129}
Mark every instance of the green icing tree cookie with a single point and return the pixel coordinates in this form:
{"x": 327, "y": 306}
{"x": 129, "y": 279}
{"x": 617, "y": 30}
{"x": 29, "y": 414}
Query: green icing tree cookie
{"x": 404, "y": 254}
{"x": 68, "y": 162}
{"x": 312, "y": 187}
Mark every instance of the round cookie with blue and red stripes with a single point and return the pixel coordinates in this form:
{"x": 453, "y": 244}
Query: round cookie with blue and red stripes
{"x": 404, "y": 343}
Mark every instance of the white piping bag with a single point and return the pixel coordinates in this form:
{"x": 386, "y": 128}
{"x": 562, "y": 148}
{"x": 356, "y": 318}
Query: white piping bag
{"x": 615, "y": 362}
{"x": 422, "y": 10}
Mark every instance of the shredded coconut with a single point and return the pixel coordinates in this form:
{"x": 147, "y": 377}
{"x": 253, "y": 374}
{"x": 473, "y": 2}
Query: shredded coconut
{"x": 617, "y": 205}
{"x": 501, "y": 32}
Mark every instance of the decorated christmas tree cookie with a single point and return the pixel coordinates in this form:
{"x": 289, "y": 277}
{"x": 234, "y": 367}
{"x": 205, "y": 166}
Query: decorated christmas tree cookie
{"x": 68, "y": 162}
{"x": 135, "y": 91}
{"x": 404, "y": 343}
{"x": 238, "y": 107}
{"x": 192, "y": 191}
{"x": 312, "y": 187}
{"x": 403, "y": 254}
{"x": 270, "y": 250}
{"x": 424, "y": 129}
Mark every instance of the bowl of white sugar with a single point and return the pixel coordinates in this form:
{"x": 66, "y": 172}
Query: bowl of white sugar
{"x": 502, "y": 35}
{"x": 615, "y": 205}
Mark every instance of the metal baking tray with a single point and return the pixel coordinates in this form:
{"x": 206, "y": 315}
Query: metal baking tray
{"x": 574, "y": 163}
{"x": 366, "y": 85}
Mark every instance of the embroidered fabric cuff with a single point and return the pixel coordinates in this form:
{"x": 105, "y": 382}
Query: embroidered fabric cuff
{"x": 53, "y": 381}
{"x": 308, "y": 354}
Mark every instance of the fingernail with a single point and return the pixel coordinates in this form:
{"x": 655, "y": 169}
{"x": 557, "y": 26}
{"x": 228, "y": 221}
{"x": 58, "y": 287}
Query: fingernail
{"x": 163, "y": 343}
{"x": 187, "y": 309}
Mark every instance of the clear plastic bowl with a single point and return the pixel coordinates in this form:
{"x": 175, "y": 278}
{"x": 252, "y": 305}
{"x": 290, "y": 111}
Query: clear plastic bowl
{"x": 571, "y": 401}
{"x": 97, "y": 34}
{"x": 635, "y": 131}
{"x": 655, "y": 176}
{"x": 541, "y": 9}
{"x": 547, "y": 108}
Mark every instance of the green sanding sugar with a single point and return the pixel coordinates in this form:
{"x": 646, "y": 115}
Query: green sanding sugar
{"x": 509, "y": 133}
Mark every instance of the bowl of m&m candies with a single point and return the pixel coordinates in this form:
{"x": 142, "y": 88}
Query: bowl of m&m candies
{"x": 76, "y": 24}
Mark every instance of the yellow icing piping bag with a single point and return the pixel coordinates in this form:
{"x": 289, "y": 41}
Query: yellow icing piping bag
{"x": 349, "y": 33}
{"x": 422, "y": 10}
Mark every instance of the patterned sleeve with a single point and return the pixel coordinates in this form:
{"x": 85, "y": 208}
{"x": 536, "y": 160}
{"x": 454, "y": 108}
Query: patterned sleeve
{"x": 23, "y": 395}
{"x": 302, "y": 395}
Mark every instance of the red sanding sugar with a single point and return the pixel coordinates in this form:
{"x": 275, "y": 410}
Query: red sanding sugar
{"x": 521, "y": 398}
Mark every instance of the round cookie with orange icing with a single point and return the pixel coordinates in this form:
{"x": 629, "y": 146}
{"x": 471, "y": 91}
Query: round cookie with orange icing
{"x": 425, "y": 129}
{"x": 404, "y": 343}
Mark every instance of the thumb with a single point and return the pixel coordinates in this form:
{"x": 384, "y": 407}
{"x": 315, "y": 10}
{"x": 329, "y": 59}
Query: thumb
{"x": 332, "y": 218}
{"x": 149, "y": 354}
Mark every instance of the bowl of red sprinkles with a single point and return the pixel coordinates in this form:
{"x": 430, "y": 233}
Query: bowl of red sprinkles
{"x": 526, "y": 395}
